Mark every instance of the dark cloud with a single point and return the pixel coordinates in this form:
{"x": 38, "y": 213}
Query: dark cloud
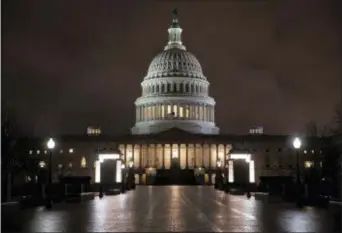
{"x": 67, "y": 64}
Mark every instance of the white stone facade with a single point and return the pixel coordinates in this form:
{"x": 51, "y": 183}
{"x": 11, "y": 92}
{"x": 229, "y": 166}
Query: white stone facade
{"x": 175, "y": 93}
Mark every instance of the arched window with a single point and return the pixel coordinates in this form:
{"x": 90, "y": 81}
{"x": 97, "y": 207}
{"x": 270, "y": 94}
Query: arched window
{"x": 83, "y": 162}
{"x": 175, "y": 87}
{"x": 168, "y": 88}
{"x": 157, "y": 88}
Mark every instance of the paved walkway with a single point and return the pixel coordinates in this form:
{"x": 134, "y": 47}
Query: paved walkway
{"x": 171, "y": 208}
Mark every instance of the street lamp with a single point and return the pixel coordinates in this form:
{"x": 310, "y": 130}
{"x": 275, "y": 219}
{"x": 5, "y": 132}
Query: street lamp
{"x": 297, "y": 143}
{"x": 50, "y": 145}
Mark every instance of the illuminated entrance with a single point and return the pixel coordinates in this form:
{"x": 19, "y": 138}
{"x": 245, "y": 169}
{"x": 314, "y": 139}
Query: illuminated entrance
{"x": 241, "y": 168}
{"x": 109, "y": 168}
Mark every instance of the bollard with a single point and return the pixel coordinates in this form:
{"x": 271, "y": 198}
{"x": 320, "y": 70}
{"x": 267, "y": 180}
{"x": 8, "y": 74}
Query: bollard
{"x": 101, "y": 192}
{"x": 123, "y": 188}
{"x": 299, "y": 202}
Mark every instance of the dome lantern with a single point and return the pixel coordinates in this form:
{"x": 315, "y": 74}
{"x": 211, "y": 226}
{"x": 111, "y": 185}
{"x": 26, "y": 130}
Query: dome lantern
{"x": 175, "y": 34}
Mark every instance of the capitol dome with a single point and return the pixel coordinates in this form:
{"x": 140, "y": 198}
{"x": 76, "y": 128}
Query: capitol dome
{"x": 175, "y": 62}
{"x": 175, "y": 93}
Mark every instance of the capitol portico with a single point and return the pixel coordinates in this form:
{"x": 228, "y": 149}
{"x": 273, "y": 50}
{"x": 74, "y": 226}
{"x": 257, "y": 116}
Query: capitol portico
{"x": 175, "y": 93}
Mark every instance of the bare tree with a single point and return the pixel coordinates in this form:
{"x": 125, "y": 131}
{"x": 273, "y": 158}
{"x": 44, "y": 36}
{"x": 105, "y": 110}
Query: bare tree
{"x": 8, "y": 142}
{"x": 338, "y": 119}
{"x": 312, "y": 129}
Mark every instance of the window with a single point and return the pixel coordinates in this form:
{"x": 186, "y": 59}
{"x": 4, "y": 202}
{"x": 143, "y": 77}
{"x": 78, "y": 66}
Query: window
{"x": 38, "y": 152}
{"x": 175, "y": 110}
{"x": 30, "y": 152}
{"x": 83, "y": 162}
{"x": 70, "y": 165}
{"x": 45, "y": 151}
{"x": 60, "y": 166}
{"x": 163, "y": 111}
{"x": 181, "y": 111}
{"x": 61, "y": 151}
{"x": 187, "y": 111}
{"x": 308, "y": 164}
{"x": 71, "y": 150}
{"x": 313, "y": 151}
{"x": 305, "y": 152}
{"x": 42, "y": 164}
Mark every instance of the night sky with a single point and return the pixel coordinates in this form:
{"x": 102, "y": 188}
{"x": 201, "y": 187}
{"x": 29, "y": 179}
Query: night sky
{"x": 69, "y": 64}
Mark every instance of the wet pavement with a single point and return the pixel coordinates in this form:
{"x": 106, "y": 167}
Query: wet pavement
{"x": 171, "y": 208}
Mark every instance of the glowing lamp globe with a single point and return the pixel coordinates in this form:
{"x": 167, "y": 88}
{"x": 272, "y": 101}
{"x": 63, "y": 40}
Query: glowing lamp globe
{"x": 131, "y": 164}
{"x": 51, "y": 144}
{"x": 297, "y": 143}
{"x": 219, "y": 164}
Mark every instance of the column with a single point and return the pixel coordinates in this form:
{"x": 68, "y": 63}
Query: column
{"x": 186, "y": 155}
{"x": 179, "y": 154}
{"x": 208, "y": 112}
{"x": 141, "y": 113}
{"x": 195, "y": 155}
{"x": 125, "y": 153}
{"x": 156, "y": 156}
{"x": 140, "y": 156}
{"x": 165, "y": 110}
{"x": 133, "y": 147}
{"x": 159, "y": 111}
{"x": 213, "y": 113}
{"x": 171, "y": 148}
{"x": 202, "y": 148}
{"x": 163, "y": 156}
{"x": 224, "y": 155}
{"x": 210, "y": 155}
{"x": 217, "y": 155}
{"x": 196, "y": 112}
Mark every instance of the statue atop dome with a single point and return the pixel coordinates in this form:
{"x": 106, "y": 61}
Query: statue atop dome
{"x": 175, "y": 14}
{"x": 175, "y": 23}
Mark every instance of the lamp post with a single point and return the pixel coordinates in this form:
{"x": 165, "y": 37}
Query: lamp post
{"x": 50, "y": 145}
{"x": 297, "y": 143}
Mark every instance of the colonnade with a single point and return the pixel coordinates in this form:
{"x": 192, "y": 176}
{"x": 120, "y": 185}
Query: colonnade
{"x": 202, "y": 112}
{"x": 185, "y": 155}
{"x": 193, "y": 88}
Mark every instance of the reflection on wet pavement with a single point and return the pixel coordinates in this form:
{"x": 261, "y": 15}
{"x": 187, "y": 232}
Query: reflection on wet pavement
{"x": 171, "y": 208}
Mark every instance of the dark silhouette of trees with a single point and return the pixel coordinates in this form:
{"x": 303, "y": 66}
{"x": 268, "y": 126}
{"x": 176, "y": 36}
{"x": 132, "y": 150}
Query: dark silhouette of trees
{"x": 338, "y": 119}
{"x": 8, "y": 142}
{"x": 14, "y": 156}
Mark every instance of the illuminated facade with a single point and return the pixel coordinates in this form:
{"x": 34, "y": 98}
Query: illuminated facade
{"x": 175, "y": 128}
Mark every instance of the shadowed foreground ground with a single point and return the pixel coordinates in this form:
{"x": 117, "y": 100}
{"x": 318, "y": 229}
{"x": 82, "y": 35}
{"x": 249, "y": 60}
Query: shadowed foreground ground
{"x": 171, "y": 208}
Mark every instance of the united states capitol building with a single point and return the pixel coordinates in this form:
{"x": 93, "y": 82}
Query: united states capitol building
{"x": 175, "y": 129}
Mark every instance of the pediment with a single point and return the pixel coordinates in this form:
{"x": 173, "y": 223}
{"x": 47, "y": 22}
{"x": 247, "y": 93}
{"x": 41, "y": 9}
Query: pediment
{"x": 175, "y": 133}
